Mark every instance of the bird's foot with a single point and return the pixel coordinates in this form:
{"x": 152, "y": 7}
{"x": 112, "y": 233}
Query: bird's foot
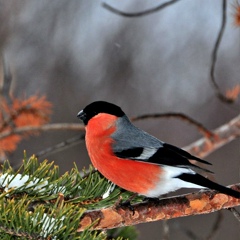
{"x": 126, "y": 204}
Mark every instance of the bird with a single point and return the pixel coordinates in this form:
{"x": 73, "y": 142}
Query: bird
{"x": 137, "y": 161}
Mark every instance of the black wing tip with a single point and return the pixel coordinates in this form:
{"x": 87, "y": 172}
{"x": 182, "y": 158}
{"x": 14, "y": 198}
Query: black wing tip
{"x": 200, "y": 160}
{"x": 184, "y": 153}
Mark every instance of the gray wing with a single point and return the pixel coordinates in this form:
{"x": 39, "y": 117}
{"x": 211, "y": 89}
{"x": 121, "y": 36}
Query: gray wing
{"x": 133, "y": 143}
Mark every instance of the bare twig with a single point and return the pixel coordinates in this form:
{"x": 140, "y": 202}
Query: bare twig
{"x": 180, "y": 116}
{"x": 225, "y": 134}
{"x": 190, "y": 234}
{"x": 60, "y": 146}
{"x": 166, "y": 231}
{"x": 139, "y": 14}
{"x": 202, "y": 202}
{"x": 43, "y": 128}
{"x": 219, "y": 94}
{"x": 236, "y": 214}
{"x": 216, "y": 226}
{"x": 7, "y": 80}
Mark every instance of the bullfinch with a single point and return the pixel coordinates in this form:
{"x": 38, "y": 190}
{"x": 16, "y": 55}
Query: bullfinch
{"x": 136, "y": 161}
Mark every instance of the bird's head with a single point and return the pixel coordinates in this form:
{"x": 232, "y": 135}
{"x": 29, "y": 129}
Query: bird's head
{"x": 98, "y": 107}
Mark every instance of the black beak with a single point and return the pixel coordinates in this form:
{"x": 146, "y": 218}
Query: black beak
{"x": 82, "y": 115}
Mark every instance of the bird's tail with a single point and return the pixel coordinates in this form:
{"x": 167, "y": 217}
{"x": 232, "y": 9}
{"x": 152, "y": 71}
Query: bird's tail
{"x": 204, "y": 182}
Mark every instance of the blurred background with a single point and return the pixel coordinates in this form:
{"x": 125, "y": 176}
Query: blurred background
{"x": 76, "y": 52}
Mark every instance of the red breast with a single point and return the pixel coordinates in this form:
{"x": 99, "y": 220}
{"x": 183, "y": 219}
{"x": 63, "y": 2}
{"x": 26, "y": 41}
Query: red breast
{"x": 135, "y": 176}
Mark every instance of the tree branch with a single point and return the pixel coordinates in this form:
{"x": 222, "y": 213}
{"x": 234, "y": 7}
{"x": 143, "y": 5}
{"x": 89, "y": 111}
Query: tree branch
{"x": 44, "y": 128}
{"x": 202, "y": 202}
{"x": 223, "y": 135}
{"x": 180, "y": 116}
{"x": 219, "y": 94}
{"x": 138, "y": 14}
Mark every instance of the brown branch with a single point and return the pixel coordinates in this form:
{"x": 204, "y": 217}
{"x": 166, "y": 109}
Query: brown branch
{"x": 224, "y": 134}
{"x": 202, "y": 202}
{"x": 138, "y": 14}
{"x": 43, "y": 128}
{"x": 219, "y": 94}
{"x": 180, "y": 116}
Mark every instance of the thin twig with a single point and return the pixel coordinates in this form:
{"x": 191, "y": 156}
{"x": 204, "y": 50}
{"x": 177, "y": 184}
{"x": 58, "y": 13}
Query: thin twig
{"x": 207, "y": 133}
{"x": 190, "y": 234}
{"x": 216, "y": 226}
{"x": 166, "y": 232}
{"x": 43, "y": 128}
{"x": 138, "y": 14}
{"x": 219, "y": 94}
{"x": 61, "y": 146}
{"x": 7, "y": 80}
{"x": 236, "y": 214}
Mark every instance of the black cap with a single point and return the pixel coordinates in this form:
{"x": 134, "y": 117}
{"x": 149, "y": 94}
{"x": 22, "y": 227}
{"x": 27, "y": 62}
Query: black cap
{"x": 95, "y": 108}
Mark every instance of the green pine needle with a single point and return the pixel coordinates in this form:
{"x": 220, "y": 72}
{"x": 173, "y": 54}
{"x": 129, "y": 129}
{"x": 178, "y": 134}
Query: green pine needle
{"x": 37, "y": 203}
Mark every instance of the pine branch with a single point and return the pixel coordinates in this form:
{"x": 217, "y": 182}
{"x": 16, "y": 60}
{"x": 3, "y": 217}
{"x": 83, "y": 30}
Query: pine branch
{"x": 202, "y": 202}
{"x": 37, "y": 203}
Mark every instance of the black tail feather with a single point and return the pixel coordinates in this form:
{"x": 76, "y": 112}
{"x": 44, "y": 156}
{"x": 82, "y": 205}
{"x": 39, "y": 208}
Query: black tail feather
{"x": 202, "y": 181}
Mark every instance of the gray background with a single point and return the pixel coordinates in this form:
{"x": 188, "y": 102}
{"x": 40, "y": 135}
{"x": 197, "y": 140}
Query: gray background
{"x": 75, "y": 52}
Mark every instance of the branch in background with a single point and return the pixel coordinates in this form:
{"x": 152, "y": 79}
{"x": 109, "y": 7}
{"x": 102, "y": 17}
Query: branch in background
{"x": 43, "y": 128}
{"x": 216, "y": 226}
{"x": 166, "y": 230}
{"x": 202, "y": 202}
{"x": 180, "y": 116}
{"x": 7, "y": 80}
{"x": 60, "y": 146}
{"x": 33, "y": 111}
{"x": 138, "y": 14}
{"x": 220, "y": 95}
{"x": 236, "y": 214}
{"x": 224, "y": 134}
{"x": 201, "y": 148}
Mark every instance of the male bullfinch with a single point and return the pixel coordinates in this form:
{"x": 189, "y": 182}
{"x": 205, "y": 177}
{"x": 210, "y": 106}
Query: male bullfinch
{"x": 135, "y": 160}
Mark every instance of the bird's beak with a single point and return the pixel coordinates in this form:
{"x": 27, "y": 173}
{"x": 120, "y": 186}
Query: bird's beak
{"x": 82, "y": 115}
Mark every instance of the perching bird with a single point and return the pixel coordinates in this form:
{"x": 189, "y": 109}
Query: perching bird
{"x": 135, "y": 160}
